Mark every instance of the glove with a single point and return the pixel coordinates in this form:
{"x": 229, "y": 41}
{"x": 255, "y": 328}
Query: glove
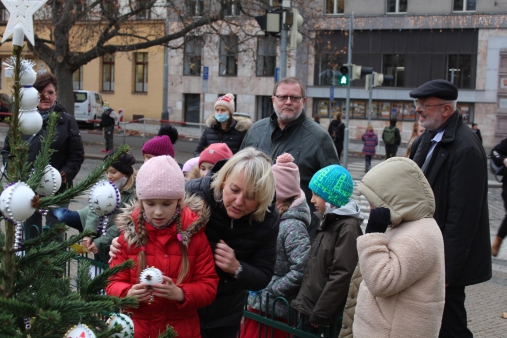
{"x": 379, "y": 220}
{"x": 69, "y": 217}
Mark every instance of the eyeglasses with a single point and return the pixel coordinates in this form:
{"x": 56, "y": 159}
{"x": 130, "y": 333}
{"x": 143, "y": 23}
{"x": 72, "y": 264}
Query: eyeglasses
{"x": 423, "y": 107}
{"x": 283, "y": 98}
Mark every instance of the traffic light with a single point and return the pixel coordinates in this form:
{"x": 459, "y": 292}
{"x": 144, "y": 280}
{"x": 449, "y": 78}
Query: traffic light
{"x": 344, "y": 77}
{"x": 295, "y": 38}
{"x": 359, "y": 71}
{"x": 378, "y": 80}
{"x": 271, "y": 22}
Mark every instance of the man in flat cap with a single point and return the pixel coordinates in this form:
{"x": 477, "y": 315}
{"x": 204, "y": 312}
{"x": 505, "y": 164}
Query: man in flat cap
{"x": 454, "y": 162}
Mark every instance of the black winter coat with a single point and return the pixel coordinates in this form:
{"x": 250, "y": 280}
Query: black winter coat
{"x": 69, "y": 154}
{"x": 254, "y": 246}
{"x": 337, "y": 127}
{"x": 233, "y": 136}
{"x": 458, "y": 175}
{"x": 501, "y": 148}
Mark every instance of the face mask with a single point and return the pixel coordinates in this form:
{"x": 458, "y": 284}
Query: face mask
{"x": 121, "y": 183}
{"x": 222, "y": 117}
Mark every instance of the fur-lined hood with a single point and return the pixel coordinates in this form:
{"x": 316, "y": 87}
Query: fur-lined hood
{"x": 242, "y": 123}
{"x": 126, "y": 223}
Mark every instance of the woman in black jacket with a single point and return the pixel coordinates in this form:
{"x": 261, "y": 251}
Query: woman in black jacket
{"x": 499, "y": 154}
{"x": 69, "y": 154}
{"x": 242, "y": 232}
{"x": 223, "y": 127}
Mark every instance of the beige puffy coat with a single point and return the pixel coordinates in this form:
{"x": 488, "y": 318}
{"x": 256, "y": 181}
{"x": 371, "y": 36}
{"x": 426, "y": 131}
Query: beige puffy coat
{"x": 403, "y": 288}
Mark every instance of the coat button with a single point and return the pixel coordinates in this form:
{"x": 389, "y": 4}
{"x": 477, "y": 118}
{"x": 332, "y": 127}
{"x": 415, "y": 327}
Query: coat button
{"x": 344, "y": 326}
{"x": 352, "y": 297}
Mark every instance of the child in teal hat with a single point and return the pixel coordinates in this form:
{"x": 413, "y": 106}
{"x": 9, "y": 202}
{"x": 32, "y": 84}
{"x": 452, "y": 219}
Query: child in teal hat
{"x": 333, "y": 255}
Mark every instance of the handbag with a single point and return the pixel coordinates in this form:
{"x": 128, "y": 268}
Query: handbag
{"x": 497, "y": 170}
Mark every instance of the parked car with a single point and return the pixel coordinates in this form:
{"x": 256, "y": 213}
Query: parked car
{"x": 88, "y": 105}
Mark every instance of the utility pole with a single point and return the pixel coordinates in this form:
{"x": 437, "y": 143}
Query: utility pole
{"x": 283, "y": 40}
{"x": 370, "y": 108}
{"x": 166, "y": 70}
{"x": 347, "y": 104}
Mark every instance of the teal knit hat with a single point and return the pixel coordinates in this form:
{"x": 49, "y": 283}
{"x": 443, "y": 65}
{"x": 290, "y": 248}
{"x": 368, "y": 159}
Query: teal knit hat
{"x": 333, "y": 184}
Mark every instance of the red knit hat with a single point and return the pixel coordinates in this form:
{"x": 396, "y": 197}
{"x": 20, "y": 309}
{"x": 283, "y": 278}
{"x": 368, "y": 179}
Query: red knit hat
{"x": 215, "y": 153}
{"x": 287, "y": 177}
{"x": 158, "y": 146}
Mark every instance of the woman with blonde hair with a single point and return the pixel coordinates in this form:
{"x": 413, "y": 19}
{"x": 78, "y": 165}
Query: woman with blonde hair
{"x": 417, "y": 131}
{"x": 242, "y": 231}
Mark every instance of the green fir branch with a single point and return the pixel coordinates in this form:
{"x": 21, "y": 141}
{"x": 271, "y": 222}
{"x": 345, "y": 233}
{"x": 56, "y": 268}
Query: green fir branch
{"x": 169, "y": 332}
{"x": 85, "y": 184}
{"x": 44, "y": 156}
{"x": 22, "y": 309}
{"x": 102, "y": 280}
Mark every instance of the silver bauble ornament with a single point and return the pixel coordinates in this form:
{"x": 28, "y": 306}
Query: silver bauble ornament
{"x": 80, "y": 331}
{"x": 50, "y": 182}
{"x": 151, "y": 276}
{"x": 16, "y": 202}
{"x": 104, "y": 198}
{"x": 30, "y": 122}
{"x": 123, "y": 320}
{"x": 30, "y": 98}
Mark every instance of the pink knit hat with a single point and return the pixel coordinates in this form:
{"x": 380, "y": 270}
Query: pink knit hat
{"x": 226, "y": 101}
{"x": 159, "y": 145}
{"x": 160, "y": 178}
{"x": 215, "y": 153}
{"x": 190, "y": 164}
{"x": 287, "y": 177}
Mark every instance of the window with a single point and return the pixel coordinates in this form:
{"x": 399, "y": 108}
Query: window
{"x": 264, "y": 107}
{"x": 141, "y": 72}
{"x": 228, "y": 55}
{"x": 145, "y": 14}
{"x": 266, "y": 56}
{"x": 335, "y": 6}
{"x": 192, "y": 107}
{"x": 397, "y": 6}
{"x": 77, "y": 79}
{"x": 108, "y": 72}
{"x": 230, "y": 7}
{"x": 394, "y": 65}
{"x": 110, "y": 8}
{"x": 4, "y": 14}
{"x": 195, "y": 7}
{"x": 460, "y": 70}
{"x": 464, "y": 5}
{"x": 193, "y": 56}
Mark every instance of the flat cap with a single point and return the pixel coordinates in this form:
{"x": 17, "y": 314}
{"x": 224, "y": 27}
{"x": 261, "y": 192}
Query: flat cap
{"x": 436, "y": 88}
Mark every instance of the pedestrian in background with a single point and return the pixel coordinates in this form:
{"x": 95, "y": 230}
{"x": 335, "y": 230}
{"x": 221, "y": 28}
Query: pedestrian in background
{"x": 417, "y": 131}
{"x": 223, "y": 127}
{"x": 333, "y": 254}
{"x": 402, "y": 293}
{"x": 391, "y": 137}
{"x": 337, "y": 131}
{"x": 477, "y": 131}
{"x": 370, "y": 141}
{"x": 500, "y": 158}
{"x": 292, "y": 247}
{"x": 316, "y": 118}
{"x": 454, "y": 161}
{"x": 108, "y": 121}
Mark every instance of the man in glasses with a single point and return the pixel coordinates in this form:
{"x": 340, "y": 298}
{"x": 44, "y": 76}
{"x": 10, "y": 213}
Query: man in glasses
{"x": 289, "y": 130}
{"x": 454, "y": 162}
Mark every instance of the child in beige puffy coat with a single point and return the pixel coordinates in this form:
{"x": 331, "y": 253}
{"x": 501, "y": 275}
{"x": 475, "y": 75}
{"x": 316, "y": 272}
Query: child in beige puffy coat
{"x": 403, "y": 288}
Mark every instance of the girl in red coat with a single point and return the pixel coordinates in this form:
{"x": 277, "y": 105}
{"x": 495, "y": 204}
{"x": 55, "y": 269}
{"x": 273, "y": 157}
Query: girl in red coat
{"x": 166, "y": 231}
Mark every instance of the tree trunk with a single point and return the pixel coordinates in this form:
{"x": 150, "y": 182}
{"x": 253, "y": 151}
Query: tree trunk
{"x": 65, "y": 88}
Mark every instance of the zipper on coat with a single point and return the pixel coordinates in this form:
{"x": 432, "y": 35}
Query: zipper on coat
{"x": 232, "y": 223}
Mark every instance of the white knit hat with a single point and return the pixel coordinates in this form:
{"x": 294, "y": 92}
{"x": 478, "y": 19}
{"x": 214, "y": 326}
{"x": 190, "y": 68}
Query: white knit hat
{"x": 160, "y": 178}
{"x": 226, "y": 101}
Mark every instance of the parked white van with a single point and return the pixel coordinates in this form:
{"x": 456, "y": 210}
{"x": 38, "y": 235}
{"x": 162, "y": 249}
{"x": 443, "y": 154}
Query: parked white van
{"x": 88, "y": 105}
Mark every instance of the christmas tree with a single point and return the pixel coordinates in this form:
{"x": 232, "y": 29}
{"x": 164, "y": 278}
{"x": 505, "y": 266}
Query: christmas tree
{"x": 37, "y": 299}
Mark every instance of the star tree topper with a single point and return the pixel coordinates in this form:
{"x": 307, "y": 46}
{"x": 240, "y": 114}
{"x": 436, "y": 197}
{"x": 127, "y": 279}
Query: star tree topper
{"x": 21, "y": 13}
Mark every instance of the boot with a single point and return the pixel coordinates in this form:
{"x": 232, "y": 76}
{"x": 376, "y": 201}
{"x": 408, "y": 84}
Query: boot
{"x": 495, "y": 247}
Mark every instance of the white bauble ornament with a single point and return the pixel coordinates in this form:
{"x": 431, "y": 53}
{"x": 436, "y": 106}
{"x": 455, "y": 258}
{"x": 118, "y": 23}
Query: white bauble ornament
{"x": 123, "y": 320}
{"x": 50, "y": 182}
{"x": 151, "y": 276}
{"x": 30, "y": 122}
{"x": 80, "y": 331}
{"x": 16, "y": 202}
{"x": 30, "y": 98}
{"x": 104, "y": 198}
{"x": 28, "y": 77}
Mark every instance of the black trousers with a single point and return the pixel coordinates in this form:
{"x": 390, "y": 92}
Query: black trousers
{"x": 109, "y": 135}
{"x": 220, "y": 332}
{"x": 391, "y": 150}
{"x": 454, "y": 320}
{"x": 502, "y": 231}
